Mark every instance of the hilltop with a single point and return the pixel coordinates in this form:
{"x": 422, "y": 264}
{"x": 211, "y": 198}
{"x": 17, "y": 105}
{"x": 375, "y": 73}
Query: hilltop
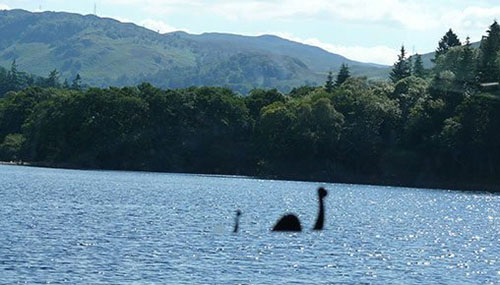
{"x": 107, "y": 52}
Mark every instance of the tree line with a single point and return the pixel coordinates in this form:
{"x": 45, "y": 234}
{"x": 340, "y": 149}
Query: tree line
{"x": 14, "y": 80}
{"x": 423, "y": 127}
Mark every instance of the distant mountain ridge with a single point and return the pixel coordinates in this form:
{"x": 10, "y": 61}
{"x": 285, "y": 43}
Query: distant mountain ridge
{"x": 107, "y": 52}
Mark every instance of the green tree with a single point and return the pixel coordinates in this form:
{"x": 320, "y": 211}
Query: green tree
{"x": 77, "y": 82}
{"x": 65, "y": 84}
{"x": 466, "y": 74}
{"x": 17, "y": 107}
{"x": 10, "y": 148}
{"x": 401, "y": 68}
{"x": 327, "y": 127}
{"x": 53, "y": 79}
{"x": 454, "y": 76}
{"x": 408, "y": 92}
{"x": 370, "y": 120}
{"x": 301, "y": 91}
{"x": 329, "y": 82}
{"x": 14, "y": 77}
{"x": 4, "y": 81}
{"x": 488, "y": 70}
{"x": 424, "y": 121}
{"x": 259, "y": 98}
{"x": 471, "y": 139}
{"x": 449, "y": 40}
{"x": 418, "y": 66}
{"x": 98, "y": 128}
{"x": 444, "y": 86}
{"x": 343, "y": 75}
{"x": 273, "y": 135}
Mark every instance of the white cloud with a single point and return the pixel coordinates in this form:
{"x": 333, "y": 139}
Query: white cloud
{"x": 159, "y": 26}
{"x": 374, "y": 54}
{"x": 151, "y": 24}
{"x": 162, "y": 7}
{"x": 121, "y": 19}
{"x": 471, "y": 21}
{"x": 410, "y": 13}
{"x": 4, "y": 7}
{"x": 417, "y": 15}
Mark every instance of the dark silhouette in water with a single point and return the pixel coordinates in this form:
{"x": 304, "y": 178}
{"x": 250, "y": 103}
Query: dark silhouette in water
{"x": 237, "y": 221}
{"x": 290, "y": 223}
{"x": 321, "y": 214}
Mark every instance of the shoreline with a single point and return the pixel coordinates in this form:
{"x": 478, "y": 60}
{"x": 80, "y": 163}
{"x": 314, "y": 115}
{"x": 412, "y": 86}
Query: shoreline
{"x": 17, "y": 163}
{"x": 440, "y": 186}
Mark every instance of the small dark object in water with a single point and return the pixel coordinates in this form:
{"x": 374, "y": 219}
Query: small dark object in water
{"x": 290, "y": 223}
{"x": 237, "y": 221}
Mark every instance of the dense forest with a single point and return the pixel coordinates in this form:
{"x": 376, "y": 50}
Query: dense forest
{"x": 436, "y": 127}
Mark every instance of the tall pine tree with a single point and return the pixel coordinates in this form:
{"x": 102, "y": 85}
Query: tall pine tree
{"x": 14, "y": 77}
{"x": 490, "y": 46}
{"x": 418, "y": 66}
{"x": 467, "y": 72}
{"x": 77, "y": 82}
{"x": 449, "y": 40}
{"x": 329, "y": 82}
{"x": 402, "y": 67}
{"x": 343, "y": 75}
{"x": 53, "y": 79}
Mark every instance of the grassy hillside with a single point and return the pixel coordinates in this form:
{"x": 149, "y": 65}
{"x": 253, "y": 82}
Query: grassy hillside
{"x": 107, "y": 52}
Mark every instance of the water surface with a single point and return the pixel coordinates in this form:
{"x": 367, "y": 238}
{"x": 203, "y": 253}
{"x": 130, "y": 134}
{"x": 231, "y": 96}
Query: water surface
{"x": 72, "y": 226}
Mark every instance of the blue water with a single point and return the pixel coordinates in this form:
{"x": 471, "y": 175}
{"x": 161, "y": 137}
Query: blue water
{"x": 81, "y": 227}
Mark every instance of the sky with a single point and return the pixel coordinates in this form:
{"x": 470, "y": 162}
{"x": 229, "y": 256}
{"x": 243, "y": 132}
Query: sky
{"x": 363, "y": 30}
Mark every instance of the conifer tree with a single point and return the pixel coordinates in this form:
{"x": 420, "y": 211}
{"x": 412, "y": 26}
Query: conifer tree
{"x": 402, "y": 68}
{"x": 14, "y": 77}
{"x": 343, "y": 75}
{"x": 30, "y": 80}
{"x": 449, "y": 40}
{"x": 490, "y": 46}
{"x": 13, "y": 68}
{"x": 329, "y": 82}
{"x": 53, "y": 79}
{"x": 65, "y": 84}
{"x": 77, "y": 82}
{"x": 418, "y": 66}
{"x": 466, "y": 74}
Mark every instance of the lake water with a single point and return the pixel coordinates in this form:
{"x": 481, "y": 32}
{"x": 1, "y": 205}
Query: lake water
{"x": 71, "y": 226}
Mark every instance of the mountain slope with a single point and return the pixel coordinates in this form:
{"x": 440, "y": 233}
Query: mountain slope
{"x": 108, "y": 52}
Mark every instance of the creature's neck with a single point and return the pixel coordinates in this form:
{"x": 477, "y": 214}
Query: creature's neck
{"x": 236, "y": 225}
{"x": 321, "y": 216}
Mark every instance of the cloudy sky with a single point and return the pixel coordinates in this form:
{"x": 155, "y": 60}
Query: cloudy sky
{"x": 364, "y": 30}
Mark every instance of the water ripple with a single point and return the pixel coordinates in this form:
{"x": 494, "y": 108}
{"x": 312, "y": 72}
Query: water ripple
{"x": 81, "y": 227}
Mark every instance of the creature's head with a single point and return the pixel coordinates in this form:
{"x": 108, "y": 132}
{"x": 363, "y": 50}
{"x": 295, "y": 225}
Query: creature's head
{"x": 322, "y": 192}
{"x": 238, "y": 213}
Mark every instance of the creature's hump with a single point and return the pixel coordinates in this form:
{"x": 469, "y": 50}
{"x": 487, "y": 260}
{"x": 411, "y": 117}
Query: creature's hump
{"x": 289, "y": 223}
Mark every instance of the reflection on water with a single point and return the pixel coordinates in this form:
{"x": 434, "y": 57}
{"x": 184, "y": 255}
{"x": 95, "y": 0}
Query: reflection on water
{"x": 120, "y": 227}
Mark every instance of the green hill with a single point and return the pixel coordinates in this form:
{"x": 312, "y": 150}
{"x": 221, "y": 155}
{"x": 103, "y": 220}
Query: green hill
{"x": 107, "y": 52}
